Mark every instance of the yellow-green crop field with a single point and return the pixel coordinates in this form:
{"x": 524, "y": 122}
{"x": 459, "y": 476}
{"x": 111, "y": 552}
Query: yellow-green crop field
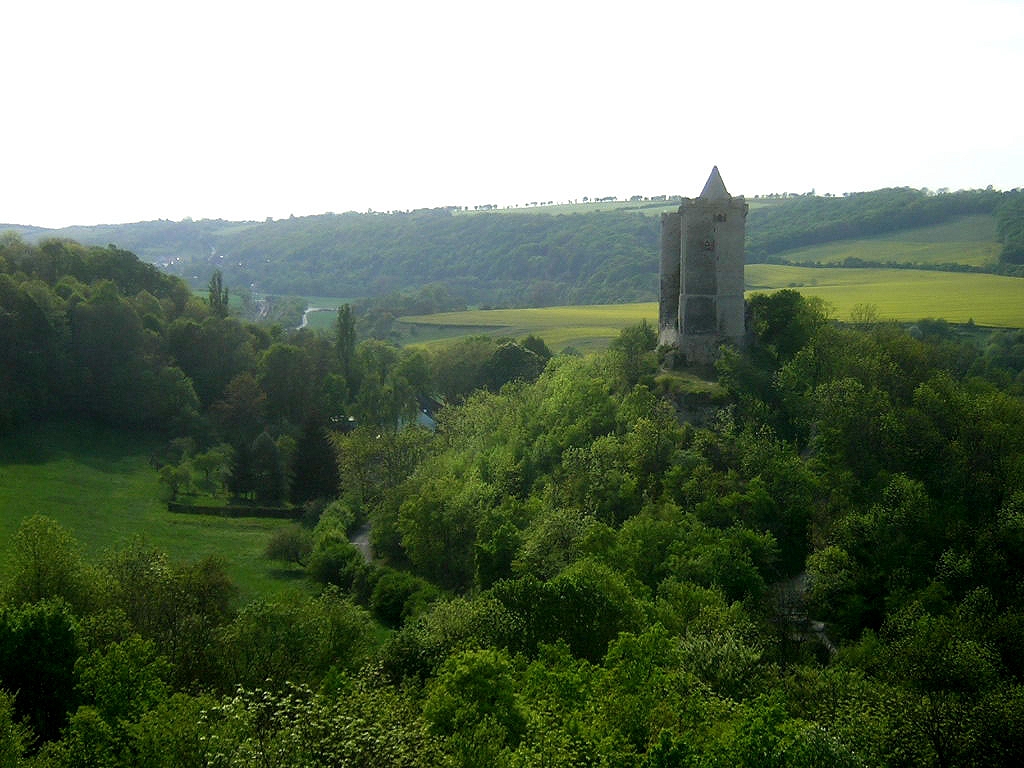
{"x": 904, "y": 295}
{"x": 585, "y": 328}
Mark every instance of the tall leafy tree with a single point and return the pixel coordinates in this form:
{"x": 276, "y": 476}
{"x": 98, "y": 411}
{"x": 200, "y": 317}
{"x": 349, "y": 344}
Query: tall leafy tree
{"x": 270, "y": 481}
{"x": 47, "y": 563}
{"x": 345, "y": 340}
{"x": 218, "y": 295}
{"x": 39, "y": 644}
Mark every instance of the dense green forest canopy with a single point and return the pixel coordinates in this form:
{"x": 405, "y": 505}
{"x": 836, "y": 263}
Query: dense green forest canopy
{"x": 589, "y": 561}
{"x": 526, "y": 259}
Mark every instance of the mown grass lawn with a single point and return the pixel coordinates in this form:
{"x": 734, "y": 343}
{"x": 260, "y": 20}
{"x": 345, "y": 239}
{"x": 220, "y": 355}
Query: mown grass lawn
{"x": 98, "y": 483}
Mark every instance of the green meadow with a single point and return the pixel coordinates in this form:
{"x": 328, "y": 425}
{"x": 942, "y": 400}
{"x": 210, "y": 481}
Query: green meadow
{"x": 98, "y": 483}
{"x": 322, "y": 318}
{"x": 903, "y": 295}
{"x": 969, "y": 240}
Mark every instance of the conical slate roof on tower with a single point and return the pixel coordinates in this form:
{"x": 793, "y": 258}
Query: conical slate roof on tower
{"x": 715, "y": 189}
{"x": 701, "y": 303}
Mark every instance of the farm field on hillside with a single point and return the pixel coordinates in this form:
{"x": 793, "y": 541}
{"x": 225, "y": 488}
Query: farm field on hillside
{"x": 585, "y": 328}
{"x": 98, "y": 484}
{"x": 904, "y": 295}
{"x": 969, "y": 240}
{"x": 646, "y": 207}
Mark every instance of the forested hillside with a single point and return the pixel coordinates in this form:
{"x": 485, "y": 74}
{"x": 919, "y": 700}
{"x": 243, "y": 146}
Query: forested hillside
{"x": 810, "y": 220}
{"x": 522, "y": 259}
{"x": 814, "y": 560}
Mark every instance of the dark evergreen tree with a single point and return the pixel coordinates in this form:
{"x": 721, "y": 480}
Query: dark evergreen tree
{"x": 241, "y": 478}
{"x": 315, "y": 467}
{"x": 269, "y": 480}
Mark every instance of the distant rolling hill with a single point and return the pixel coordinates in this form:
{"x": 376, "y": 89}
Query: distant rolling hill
{"x": 549, "y": 255}
{"x": 965, "y": 241}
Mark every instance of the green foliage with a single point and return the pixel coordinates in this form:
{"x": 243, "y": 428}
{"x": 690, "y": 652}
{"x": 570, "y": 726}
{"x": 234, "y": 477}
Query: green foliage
{"x": 553, "y": 541}
{"x": 645, "y": 684}
{"x": 336, "y": 561}
{"x": 15, "y": 736}
{"x": 293, "y": 639}
{"x": 212, "y": 352}
{"x": 1010, "y": 227}
{"x": 39, "y": 644}
{"x": 398, "y": 596}
{"x": 450, "y": 626}
{"x": 536, "y": 345}
{"x": 631, "y": 352}
{"x": 345, "y": 339}
{"x": 482, "y": 362}
{"x": 628, "y": 588}
{"x": 267, "y": 467}
{"x": 767, "y": 736}
{"x": 362, "y": 725}
{"x": 178, "y": 607}
{"x": 172, "y": 734}
{"x": 371, "y": 463}
{"x": 596, "y": 257}
{"x": 785, "y": 322}
{"x": 314, "y": 467}
{"x": 438, "y": 529}
{"x": 585, "y": 606}
{"x": 287, "y": 380}
{"x": 293, "y": 544}
{"x": 123, "y": 680}
{"x": 84, "y": 333}
{"x": 47, "y": 563}
{"x": 89, "y": 742}
{"x": 475, "y": 688}
{"x": 218, "y": 295}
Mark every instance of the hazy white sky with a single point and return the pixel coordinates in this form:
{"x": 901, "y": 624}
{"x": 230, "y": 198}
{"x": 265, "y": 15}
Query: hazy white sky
{"x": 125, "y": 111}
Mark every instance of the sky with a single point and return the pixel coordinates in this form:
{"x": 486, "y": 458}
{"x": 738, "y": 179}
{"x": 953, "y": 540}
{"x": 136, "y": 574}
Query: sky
{"x": 116, "y": 112}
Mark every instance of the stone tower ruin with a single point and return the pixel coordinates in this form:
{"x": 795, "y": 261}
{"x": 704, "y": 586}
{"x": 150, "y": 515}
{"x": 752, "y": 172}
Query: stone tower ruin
{"x": 701, "y": 304}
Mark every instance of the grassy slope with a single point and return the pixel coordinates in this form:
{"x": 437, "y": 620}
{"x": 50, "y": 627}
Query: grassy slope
{"x": 98, "y": 484}
{"x": 967, "y": 240}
